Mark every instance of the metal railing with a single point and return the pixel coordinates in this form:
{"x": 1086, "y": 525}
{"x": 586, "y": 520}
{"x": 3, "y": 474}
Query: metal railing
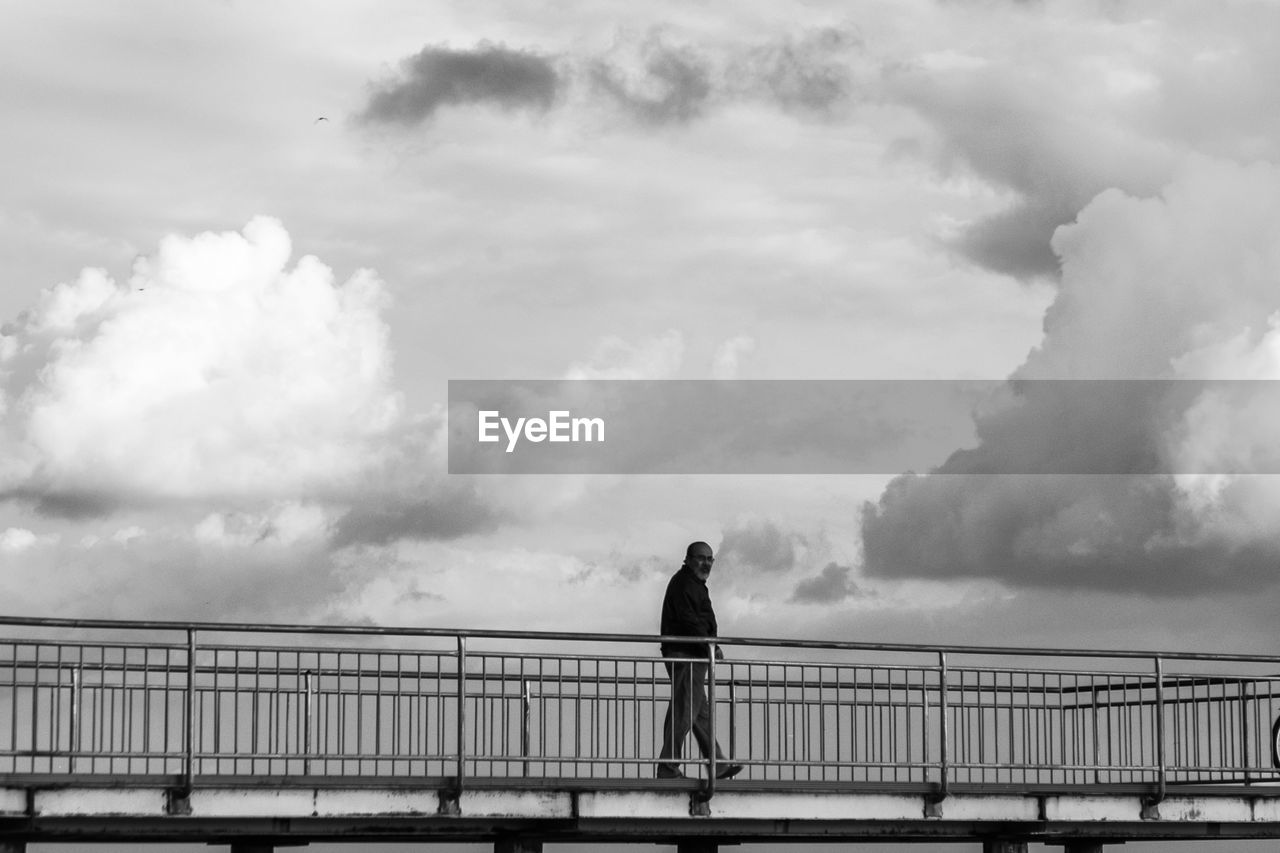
{"x": 206, "y": 702}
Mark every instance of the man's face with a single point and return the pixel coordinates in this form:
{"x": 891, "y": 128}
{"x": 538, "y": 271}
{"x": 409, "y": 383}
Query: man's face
{"x": 700, "y": 559}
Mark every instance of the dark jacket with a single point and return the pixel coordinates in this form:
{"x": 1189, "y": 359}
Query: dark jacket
{"x": 686, "y": 612}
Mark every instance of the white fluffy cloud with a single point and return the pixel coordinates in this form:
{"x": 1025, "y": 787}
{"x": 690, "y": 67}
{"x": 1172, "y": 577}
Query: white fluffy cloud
{"x": 216, "y": 370}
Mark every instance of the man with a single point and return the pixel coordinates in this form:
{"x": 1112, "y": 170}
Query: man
{"x": 686, "y": 612}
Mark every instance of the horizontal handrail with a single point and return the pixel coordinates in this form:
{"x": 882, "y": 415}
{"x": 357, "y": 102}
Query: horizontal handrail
{"x": 647, "y": 639}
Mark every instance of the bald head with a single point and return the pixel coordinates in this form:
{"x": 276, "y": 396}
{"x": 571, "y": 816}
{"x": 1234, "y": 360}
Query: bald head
{"x": 698, "y": 557}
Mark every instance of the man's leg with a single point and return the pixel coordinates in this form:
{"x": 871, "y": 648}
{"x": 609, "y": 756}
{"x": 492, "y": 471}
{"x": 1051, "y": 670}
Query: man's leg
{"x": 679, "y": 715}
{"x": 701, "y": 712}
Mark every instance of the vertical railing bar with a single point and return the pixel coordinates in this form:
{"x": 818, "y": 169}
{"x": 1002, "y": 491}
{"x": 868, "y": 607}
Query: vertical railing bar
{"x": 637, "y": 713}
{"x": 711, "y": 718}
{"x": 1060, "y": 715}
{"x": 74, "y": 741}
{"x": 166, "y": 688}
{"x": 377, "y": 712}
{"x": 1245, "y": 762}
{"x": 560, "y": 717}
{"x": 308, "y": 718}
{"x": 577, "y": 717}
{"x": 14, "y": 715}
{"x": 802, "y": 724}
{"x": 360, "y": 727}
{"x": 257, "y": 715}
{"x": 526, "y": 708}
{"x": 1013, "y": 729}
{"x": 55, "y": 704}
{"x": 504, "y": 723}
{"x": 35, "y": 706}
{"x": 217, "y": 714}
{"x": 733, "y": 716}
{"x": 1159, "y": 729}
{"x": 397, "y": 712}
{"x": 619, "y": 717}
{"x": 839, "y": 727}
{"x": 462, "y": 711}
{"x": 146, "y": 710}
{"x": 275, "y": 710}
{"x": 944, "y": 748}
{"x": 542, "y": 714}
{"x": 188, "y": 776}
{"x": 979, "y": 714}
{"x": 235, "y": 711}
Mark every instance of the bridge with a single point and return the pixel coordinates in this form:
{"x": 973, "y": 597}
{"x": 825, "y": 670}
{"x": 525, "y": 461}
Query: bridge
{"x": 264, "y": 736}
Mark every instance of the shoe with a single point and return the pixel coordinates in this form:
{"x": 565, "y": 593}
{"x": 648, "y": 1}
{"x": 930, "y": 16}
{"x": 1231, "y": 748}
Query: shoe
{"x": 668, "y": 771}
{"x": 728, "y": 771}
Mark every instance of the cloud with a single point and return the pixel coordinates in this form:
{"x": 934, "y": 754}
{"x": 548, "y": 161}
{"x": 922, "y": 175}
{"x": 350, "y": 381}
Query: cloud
{"x": 1047, "y": 136}
{"x": 217, "y": 371}
{"x": 830, "y": 585}
{"x": 14, "y": 539}
{"x": 1164, "y": 288}
{"x": 806, "y": 73}
{"x": 729, "y": 355}
{"x": 658, "y": 82}
{"x": 273, "y": 565}
{"x": 655, "y": 357}
{"x": 439, "y": 76}
{"x": 650, "y": 79}
{"x": 450, "y": 585}
{"x": 757, "y": 546}
{"x": 672, "y": 86}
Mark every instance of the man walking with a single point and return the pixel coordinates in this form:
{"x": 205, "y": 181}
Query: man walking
{"x": 686, "y": 612}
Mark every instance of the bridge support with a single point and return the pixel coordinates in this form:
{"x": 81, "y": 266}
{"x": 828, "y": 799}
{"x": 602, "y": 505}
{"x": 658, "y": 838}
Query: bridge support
{"x": 1003, "y": 845}
{"x": 700, "y": 845}
{"x": 13, "y": 847}
{"x": 1084, "y": 846}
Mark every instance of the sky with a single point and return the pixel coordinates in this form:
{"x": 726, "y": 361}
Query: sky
{"x": 245, "y": 247}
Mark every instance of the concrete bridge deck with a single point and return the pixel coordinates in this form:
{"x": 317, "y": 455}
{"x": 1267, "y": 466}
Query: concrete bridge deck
{"x": 264, "y": 736}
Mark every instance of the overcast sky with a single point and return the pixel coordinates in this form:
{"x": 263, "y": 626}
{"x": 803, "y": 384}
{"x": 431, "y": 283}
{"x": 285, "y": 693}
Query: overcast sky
{"x": 246, "y": 245}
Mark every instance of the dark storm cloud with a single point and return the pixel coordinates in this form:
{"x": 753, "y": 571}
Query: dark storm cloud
{"x": 1003, "y": 509}
{"x": 1086, "y": 532}
{"x": 830, "y": 585}
{"x": 675, "y": 89}
{"x": 1171, "y": 489}
{"x": 440, "y": 76}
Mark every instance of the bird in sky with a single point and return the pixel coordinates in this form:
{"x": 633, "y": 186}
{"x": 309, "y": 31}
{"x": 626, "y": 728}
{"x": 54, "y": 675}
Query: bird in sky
{"x": 322, "y": 118}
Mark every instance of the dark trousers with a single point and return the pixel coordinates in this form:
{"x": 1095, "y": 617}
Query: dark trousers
{"x": 688, "y": 709}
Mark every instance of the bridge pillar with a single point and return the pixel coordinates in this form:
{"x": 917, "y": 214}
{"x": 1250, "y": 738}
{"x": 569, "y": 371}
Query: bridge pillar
{"x": 13, "y": 847}
{"x": 700, "y": 845}
{"x": 517, "y": 845}
{"x": 1003, "y": 845}
{"x": 1084, "y": 846}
